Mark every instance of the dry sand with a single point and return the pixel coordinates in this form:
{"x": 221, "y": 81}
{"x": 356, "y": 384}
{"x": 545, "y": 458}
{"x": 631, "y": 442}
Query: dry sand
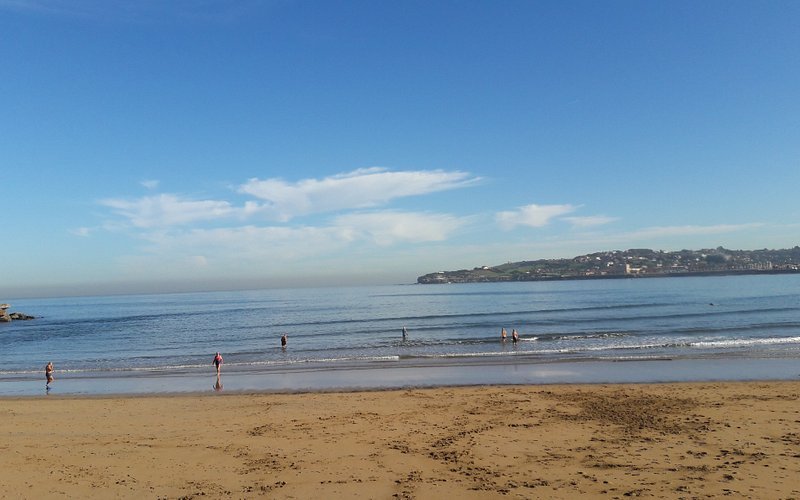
{"x": 611, "y": 441}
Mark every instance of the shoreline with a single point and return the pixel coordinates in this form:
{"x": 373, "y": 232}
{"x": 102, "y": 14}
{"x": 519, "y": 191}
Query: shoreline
{"x": 399, "y": 375}
{"x": 670, "y": 440}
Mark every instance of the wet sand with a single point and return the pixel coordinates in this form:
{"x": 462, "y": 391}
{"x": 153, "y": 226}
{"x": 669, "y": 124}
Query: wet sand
{"x": 404, "y": 374}
{"x": 677, "y": 440}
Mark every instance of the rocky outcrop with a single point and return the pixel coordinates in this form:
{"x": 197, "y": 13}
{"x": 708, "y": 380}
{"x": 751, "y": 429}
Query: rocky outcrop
{"x": 22, "y": 316}
{"x": 6, "y": 317}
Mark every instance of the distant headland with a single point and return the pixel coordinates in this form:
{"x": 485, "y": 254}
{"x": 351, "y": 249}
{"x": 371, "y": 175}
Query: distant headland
{"x": 633, "y": 263}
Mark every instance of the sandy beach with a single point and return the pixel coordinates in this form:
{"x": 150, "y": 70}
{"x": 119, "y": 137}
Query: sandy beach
{"x": 678, "y": 440}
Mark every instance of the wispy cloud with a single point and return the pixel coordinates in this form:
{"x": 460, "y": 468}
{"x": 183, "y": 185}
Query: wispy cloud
{"x": 590, "y": 221}
{"x": 250, "y": 244}
{"x": 655, "y": 237}
{"x": 280, "y": 242}
{"x": 532, "y": 215}
{"x": 81, "y": 231}
{"x": 168, "y": 210}
{"x": 386, "y": 228}
{"x": 186, "y": 237}
{"x": 283, "y": 201}
{"x": 689, "y": 230}
{"x": 358, "y": 189}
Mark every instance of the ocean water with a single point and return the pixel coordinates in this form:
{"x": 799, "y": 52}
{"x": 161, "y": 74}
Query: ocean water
{"x": 696, "y": 320}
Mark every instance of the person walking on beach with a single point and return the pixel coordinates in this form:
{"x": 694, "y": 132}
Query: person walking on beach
{"x": 218, "y": 362}
{"x": 284, "y": 340}
{"x": 48, "y": 373}
{"x": 503, "y": 335}
{"x": 514, "y": 335}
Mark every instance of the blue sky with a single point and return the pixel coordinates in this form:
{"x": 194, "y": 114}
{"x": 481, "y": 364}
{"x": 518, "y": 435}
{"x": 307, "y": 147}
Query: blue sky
{"x": 162, "y": 146}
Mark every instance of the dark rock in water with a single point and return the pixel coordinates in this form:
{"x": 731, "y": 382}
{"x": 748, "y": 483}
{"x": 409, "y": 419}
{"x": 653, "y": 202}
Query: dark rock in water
{"x": 20, "y": 316}
{"x": 6, "y": 317}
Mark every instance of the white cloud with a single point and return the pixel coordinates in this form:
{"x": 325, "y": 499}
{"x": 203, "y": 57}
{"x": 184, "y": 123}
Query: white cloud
{"x": 669, "y": 231}
{"x": 167, "y": 210}
{"x": 265, "y": 247}
{"x": 81, "y": 231}
{"x": 249, "y": 256}
{"x": 590, "y": 221}
{"x": 358, "y": 189}
{"x": 386, "y": 228}
{"x": 656, "y": 237}
{"x": 532, "y": 215}
{"x": 382, "y": 228}
{"x": 281, "y": 250}
{"x": 284, "y": 201}
{"x": 150, "y": 184}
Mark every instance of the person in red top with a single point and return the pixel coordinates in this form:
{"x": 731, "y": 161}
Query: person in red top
{"x": 218, "y": 362}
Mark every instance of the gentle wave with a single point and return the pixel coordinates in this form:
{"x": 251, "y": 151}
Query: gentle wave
{"x": 577, "y": 336}
{"x": 746, "y": 342}
{"x": 205, "y": 366}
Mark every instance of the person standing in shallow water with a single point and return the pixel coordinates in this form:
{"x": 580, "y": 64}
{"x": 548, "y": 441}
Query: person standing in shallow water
{"x": 405, "y": 333}
{"x": 503, "y": 335}
{"x": 48, "y": 373}
{"x": 218, "y": 362}
{"x": 284, "y": 341}
{"x": 514, "y": 336}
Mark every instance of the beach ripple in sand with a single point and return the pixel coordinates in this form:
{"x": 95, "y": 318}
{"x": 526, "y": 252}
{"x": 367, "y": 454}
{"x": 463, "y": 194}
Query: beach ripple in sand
{"x": 617, "y": 441}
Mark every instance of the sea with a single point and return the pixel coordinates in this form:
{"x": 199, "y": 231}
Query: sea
{"x": 594, "y": 331}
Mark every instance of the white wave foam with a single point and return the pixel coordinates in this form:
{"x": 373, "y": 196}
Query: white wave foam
{"x": 746, "y": 342}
